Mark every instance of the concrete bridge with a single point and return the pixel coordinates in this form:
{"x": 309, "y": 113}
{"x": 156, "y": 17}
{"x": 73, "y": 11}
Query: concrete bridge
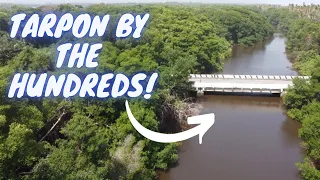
{"x": 242, "y": 83}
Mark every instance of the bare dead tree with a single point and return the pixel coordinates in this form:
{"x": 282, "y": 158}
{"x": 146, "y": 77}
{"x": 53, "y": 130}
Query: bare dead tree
{"x": 173, "y": 113}
{"x": 54, "y": 125}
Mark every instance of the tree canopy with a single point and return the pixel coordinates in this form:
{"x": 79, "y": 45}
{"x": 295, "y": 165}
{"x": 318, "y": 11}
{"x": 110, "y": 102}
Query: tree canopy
{"x": 302, "y": 25}
{"x": 73, "y": 138}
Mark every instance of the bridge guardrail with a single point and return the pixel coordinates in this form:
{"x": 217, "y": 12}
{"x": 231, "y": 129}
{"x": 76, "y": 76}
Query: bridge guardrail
{"x": 258, "y": 77}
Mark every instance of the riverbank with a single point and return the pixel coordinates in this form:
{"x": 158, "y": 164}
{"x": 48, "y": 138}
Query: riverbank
{"x": 301, "y": 26}
{"x": 252, "y": 137}
{"x": 302, "y": 101}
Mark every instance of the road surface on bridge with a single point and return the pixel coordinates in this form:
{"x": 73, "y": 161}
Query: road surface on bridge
{"x": 242, "y": 83}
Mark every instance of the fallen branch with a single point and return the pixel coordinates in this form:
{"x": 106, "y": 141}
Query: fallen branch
{"x": 55, "y": 124}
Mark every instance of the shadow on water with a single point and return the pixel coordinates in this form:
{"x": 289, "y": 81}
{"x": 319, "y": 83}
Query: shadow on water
{"x": 265, "y": 58}
{"x": 242, "y": 51}
{"x": 242, "y": 94}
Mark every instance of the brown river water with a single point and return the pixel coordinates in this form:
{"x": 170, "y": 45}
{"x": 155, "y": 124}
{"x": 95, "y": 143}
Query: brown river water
{"x": 252, "y": 138}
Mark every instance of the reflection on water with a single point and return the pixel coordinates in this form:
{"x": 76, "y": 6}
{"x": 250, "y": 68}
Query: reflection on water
{"x": 249, "y": 140}
{"x": 252, "y": 138}
{"x": 265, "y": 58}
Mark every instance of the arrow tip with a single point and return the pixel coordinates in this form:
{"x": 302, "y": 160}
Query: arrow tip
{"x": 205, "y": 122}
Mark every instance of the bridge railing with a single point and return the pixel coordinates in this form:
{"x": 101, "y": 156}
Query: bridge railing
{"x": 257, "y": 77}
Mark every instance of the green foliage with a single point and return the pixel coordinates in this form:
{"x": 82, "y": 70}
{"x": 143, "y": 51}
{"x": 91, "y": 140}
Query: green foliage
{"x": 300, "y": 114}
{"x": 301, "y": 26}
{"x": 306, "y": 61}
{"x": 19, "y": 151}
{"x": 303, "y": 35}
{"x": 303, "y": 103}
{"x": 168, "y": 155}
{"x": 9, "y": 48}
{"x": 280, "y": 18}
{"x": 245, "y": 27}
{"x": 299, "y": 95}
{"x": 311, "y": 134}
{"x": 308, "y": 171}
{"x": 31, "y": 59}
{"x": 303, "y": 100}
{"x": 75, "y": 138}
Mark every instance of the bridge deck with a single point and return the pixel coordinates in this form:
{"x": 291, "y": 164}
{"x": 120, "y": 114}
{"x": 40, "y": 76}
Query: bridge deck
{"x": 253, "y": 77}
{"x": 242, "y": 83}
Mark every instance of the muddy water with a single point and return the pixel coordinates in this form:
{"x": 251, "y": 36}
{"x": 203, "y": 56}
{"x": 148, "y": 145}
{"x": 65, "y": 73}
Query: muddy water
{"x": 265, "y": 58}
{"x": 252, "y": 138}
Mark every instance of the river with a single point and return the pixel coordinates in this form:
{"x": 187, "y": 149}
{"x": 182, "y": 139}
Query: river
{"x": 252, "y": 138}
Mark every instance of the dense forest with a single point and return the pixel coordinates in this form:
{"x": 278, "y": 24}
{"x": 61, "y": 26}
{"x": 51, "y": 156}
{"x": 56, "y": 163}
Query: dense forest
{"x": 88, "y": 138}
{"x": 301, "y": 25}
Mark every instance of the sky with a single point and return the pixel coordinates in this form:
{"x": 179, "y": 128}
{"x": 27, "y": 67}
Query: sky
{"x": 282, "y": 2}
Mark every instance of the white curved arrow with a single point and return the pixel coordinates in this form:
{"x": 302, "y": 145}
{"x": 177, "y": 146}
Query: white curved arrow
{"x": 204, "y": 121}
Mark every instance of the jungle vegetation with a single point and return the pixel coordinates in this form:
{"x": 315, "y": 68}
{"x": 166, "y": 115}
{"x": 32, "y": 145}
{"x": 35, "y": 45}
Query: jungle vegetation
{"x": 76, "y": 138}
{"x": 301, "y": 25}
{"x": 88, "y": 138}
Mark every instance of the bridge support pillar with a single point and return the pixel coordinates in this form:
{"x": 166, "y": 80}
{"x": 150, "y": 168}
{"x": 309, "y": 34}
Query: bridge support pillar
{"x": 282, "y": 93}
{"x": 200, "y": 93}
